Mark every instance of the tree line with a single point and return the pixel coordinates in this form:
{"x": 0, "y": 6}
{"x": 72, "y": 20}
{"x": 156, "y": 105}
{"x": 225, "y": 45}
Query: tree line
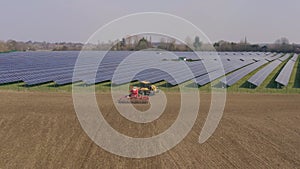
{"x": 12, "y": 45}
{"x": 135, "y": 43}
{"x": 280, "y": 45}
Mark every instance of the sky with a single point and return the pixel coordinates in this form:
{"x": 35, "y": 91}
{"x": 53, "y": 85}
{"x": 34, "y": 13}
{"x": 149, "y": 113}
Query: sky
{"x": 261, "y": 21}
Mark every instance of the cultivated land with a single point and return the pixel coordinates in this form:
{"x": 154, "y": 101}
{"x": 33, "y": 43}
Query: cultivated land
{"x": 41, "y": 130}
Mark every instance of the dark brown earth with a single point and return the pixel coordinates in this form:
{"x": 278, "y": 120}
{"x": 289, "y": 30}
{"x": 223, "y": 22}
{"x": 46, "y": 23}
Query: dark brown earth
{"x": 41, "y": 130}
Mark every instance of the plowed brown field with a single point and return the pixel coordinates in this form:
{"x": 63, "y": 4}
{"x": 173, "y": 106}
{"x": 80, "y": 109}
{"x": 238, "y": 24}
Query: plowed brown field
{"x": 41, "y": 130}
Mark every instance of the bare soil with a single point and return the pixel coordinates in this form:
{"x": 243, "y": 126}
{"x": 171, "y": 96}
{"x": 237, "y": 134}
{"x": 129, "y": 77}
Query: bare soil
{"x": 41, "y": 130}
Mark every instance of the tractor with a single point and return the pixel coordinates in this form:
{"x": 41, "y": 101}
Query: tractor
{"x": 147, "y": 89}
{"x": 140, "y": 94}
{"x": 135, "y": 97}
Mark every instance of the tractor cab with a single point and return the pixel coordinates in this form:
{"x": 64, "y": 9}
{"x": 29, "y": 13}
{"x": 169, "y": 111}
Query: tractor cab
{"x": 146, "y": 88}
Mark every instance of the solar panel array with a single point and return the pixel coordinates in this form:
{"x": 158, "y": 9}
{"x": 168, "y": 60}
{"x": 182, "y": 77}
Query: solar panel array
{"x": 285, "y": 74}
{"x": 258, "y": 78}
{"x": 34, "y": 68}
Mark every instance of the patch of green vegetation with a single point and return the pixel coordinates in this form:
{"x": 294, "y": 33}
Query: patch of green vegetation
{"x": 48, "y": 87}
{"x": 9, "y": 51}
{"x": 296, "y": 75}
{"x": 52, "y": 87}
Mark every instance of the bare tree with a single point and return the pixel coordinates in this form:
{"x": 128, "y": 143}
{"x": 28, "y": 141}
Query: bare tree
{"x": 282, "y": 41}
{"x": 197, "y": 43}
{"x": 3, "y": 47}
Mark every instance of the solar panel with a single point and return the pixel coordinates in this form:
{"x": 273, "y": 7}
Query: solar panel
{"x": 295, "y": 57}
{"x": 262, "y": 74}
{"x": 273, "y": 57}
{"x": 285, "y": 57}
{"x": 285, "y": 74}
{"x": 207, "y": 78}
{"x": 239, "y": 74}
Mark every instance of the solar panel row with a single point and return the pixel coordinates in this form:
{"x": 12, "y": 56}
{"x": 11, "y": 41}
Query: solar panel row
{"x": 295, "y": 57}
{"x": 285, "y": 74}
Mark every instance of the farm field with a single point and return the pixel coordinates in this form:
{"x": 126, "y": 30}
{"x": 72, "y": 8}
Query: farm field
{"x": 152, "y": 85}
{"x": 259, "y": 128}
{"x": 40, "y": 129}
